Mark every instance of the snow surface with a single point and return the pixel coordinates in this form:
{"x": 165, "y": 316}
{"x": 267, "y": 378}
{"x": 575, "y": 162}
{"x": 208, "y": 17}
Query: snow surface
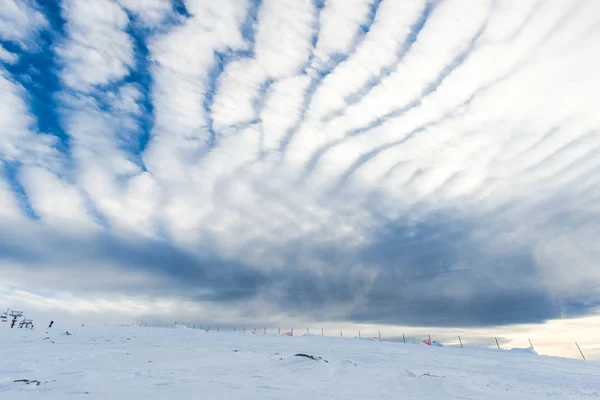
{"x": 163, "y": 363}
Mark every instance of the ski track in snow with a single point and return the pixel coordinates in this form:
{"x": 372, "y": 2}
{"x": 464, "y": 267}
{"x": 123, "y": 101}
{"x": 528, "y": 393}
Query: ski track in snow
{"x": 162, "y": 363}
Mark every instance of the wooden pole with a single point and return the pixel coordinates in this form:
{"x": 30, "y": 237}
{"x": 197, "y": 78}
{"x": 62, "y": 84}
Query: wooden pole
{"x": 460, "y": 340}
{"x": 531, "y": 344}
{"x": 497, "y": 344}
{"x": 578, "y": 348}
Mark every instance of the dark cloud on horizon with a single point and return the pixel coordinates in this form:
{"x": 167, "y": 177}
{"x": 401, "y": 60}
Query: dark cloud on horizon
{"x": 425, "y": 274}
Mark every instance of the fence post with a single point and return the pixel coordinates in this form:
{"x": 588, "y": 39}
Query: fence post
{"x": 531, "y": 344}
{"x": 460, "y": 340}
{"x": 497, "y": 344}
{"x": 578, "y": 348}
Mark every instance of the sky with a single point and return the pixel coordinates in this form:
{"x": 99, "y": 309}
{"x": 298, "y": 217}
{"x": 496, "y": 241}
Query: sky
{"x": 408, "y": 163}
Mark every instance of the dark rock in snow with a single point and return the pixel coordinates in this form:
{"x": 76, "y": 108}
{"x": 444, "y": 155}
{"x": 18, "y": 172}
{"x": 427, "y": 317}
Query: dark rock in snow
{"x": 316, "y": 358}
{"x": 29, "y": 382}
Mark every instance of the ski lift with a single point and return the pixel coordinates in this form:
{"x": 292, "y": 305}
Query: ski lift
{"x": 4, "y": 316}
{"x": 26, "y": 323}
{"x": 16, "y": 314}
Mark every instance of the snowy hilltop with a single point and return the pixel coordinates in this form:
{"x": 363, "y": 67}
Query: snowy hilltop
{"x": 162, "y": 363}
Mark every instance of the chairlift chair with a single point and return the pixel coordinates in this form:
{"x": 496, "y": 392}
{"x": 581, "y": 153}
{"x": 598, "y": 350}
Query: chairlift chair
{"x": 4, "y": 316}
{"x": 26, "y": 323}
{"x": 16, "y": 314}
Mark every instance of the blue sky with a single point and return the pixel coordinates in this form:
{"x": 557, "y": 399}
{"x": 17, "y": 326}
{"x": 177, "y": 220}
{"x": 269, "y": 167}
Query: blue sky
{"x": 414, "y": 163}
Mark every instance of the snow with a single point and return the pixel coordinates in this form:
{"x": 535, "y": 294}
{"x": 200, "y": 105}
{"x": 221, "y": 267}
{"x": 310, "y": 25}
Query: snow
{"x": 163, "y": 363}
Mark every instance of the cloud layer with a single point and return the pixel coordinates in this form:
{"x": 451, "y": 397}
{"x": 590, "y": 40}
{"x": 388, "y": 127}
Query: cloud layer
{"x": 414, "y": 162}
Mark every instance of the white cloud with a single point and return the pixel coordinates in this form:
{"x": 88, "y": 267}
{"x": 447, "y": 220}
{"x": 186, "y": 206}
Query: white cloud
{"x": 277, "y": 56}
{"x": 98, "y": 50}
{"x": 237, "y": 93}
{"x": 152, "y": 12}
{"x": 283, "y": 38}
{"x": 119, "y": 188}
{"x": 57, "y": 203}
{"x": 378, "y": 49}
{"x": 103, "y": 124}
{"x": 14, "y": 117}
{"x": 181, "y": 135}
{"x": 339, "y": 26}
{"x": 19, "y": 21}
{"x": 432, "y": 53}
{"x": 7, "y": 57}
{"x": 183, "y": 59}
{"x": 281, "y": 109}
{"x": 126, "y": 101}
{"x": 18, "y": 141}
{"x": 9, "y": 207}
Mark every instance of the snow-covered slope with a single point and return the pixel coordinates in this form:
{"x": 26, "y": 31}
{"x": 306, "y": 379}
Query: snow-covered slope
{"x": 162, "y": 363}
